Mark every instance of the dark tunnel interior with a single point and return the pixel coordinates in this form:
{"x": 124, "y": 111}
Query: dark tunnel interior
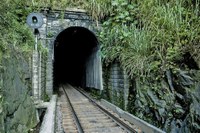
{"x": 72, "y": 48}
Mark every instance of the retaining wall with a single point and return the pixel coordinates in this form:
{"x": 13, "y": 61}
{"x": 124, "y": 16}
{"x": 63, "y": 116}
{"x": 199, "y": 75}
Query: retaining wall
{"x": 118, "y": 85}
{"x": 39, "y": 75}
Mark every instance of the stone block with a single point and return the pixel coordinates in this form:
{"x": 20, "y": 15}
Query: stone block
{"x": 55, "y": 23}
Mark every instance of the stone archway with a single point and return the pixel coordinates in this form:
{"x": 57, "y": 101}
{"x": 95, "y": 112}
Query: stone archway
{"x": 76, "y": 58}
{"x": 54, "y": 23}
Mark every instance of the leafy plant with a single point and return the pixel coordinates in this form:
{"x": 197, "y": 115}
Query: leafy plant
{"x": 155, "y": 41}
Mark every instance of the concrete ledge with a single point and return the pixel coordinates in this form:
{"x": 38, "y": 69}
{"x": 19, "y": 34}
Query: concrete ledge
{"x": 144, "y": 126}
{"x": 42, "y": 105}
{"x": 49, "y": 118}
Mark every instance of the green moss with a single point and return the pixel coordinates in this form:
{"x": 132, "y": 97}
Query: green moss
{"x": 46, "y": 98}
{"x": 95, "y": 93}
{"x": 107, "y": 92}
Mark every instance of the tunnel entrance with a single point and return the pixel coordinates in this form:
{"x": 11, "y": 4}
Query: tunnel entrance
{"x": 76, "y": 58}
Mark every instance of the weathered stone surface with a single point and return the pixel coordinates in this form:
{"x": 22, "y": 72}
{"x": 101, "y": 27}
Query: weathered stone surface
{"x": 2, "y": 130}
{"x": 19, "y": 111}
{"x": 119, "y": 85}
{"x": 56, "y": 22}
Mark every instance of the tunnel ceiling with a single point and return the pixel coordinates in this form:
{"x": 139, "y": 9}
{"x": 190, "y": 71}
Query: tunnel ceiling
{"x": 72, "y": 48}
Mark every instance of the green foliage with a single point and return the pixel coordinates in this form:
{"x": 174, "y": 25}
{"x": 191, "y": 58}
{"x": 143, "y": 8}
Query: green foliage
{"x": 95, "y": 93}
{"x": 106, "y": 93}
{"x": 13, "y": 29}
{"x": 42, "y": 49}
{"x": 50, "y": 34}
{"x": 46, "y": 98}
{"x": 13, "y": 33}
{"x": 97, "y": 8}
{"x": 151, "y": 39}
{"x": 118, "y": 98}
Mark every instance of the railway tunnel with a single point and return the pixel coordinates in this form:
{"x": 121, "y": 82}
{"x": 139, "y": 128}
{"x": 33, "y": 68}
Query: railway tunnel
{"x": 76, "y": 58}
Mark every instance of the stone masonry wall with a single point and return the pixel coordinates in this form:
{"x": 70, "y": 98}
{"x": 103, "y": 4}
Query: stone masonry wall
{"x": 119, "y": 85}
{"x": 19, "y": 114}
{"x": 54, "y": 23}
{"x": 42, "y": 70}
{"x": 39, "y": 64}
{"x": 35, "y": 75}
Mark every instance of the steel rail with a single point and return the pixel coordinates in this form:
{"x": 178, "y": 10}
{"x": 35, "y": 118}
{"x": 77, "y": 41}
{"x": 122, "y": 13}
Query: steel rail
{"x": 117, "y": 120}
{"x": 78, "y": 124}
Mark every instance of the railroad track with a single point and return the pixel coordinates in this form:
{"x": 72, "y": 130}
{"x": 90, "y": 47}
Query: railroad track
{"x": 83, "y": 115}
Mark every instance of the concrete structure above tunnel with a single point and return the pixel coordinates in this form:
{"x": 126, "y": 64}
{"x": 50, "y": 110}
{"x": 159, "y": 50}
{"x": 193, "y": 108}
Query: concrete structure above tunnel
{"x": 57, "y": 21}
{"x": 54, "y": 23}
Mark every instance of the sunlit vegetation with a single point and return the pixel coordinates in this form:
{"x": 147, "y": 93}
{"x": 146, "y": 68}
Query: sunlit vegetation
{"x": 157, "y": 42}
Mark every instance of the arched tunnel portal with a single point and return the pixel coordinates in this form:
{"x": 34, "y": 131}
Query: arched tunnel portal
{"x": 76, "y": 58}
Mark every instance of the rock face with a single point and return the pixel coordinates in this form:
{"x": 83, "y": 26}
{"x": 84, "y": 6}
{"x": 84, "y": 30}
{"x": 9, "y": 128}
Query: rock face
{"x": 19, "y": 112}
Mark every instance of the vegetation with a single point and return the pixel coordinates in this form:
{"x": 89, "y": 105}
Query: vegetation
{"x": 13, "y": 33}
{"x": 97, "y": 8}
{"x": 155, "y": 41}
{"x": 13, "y": 27}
